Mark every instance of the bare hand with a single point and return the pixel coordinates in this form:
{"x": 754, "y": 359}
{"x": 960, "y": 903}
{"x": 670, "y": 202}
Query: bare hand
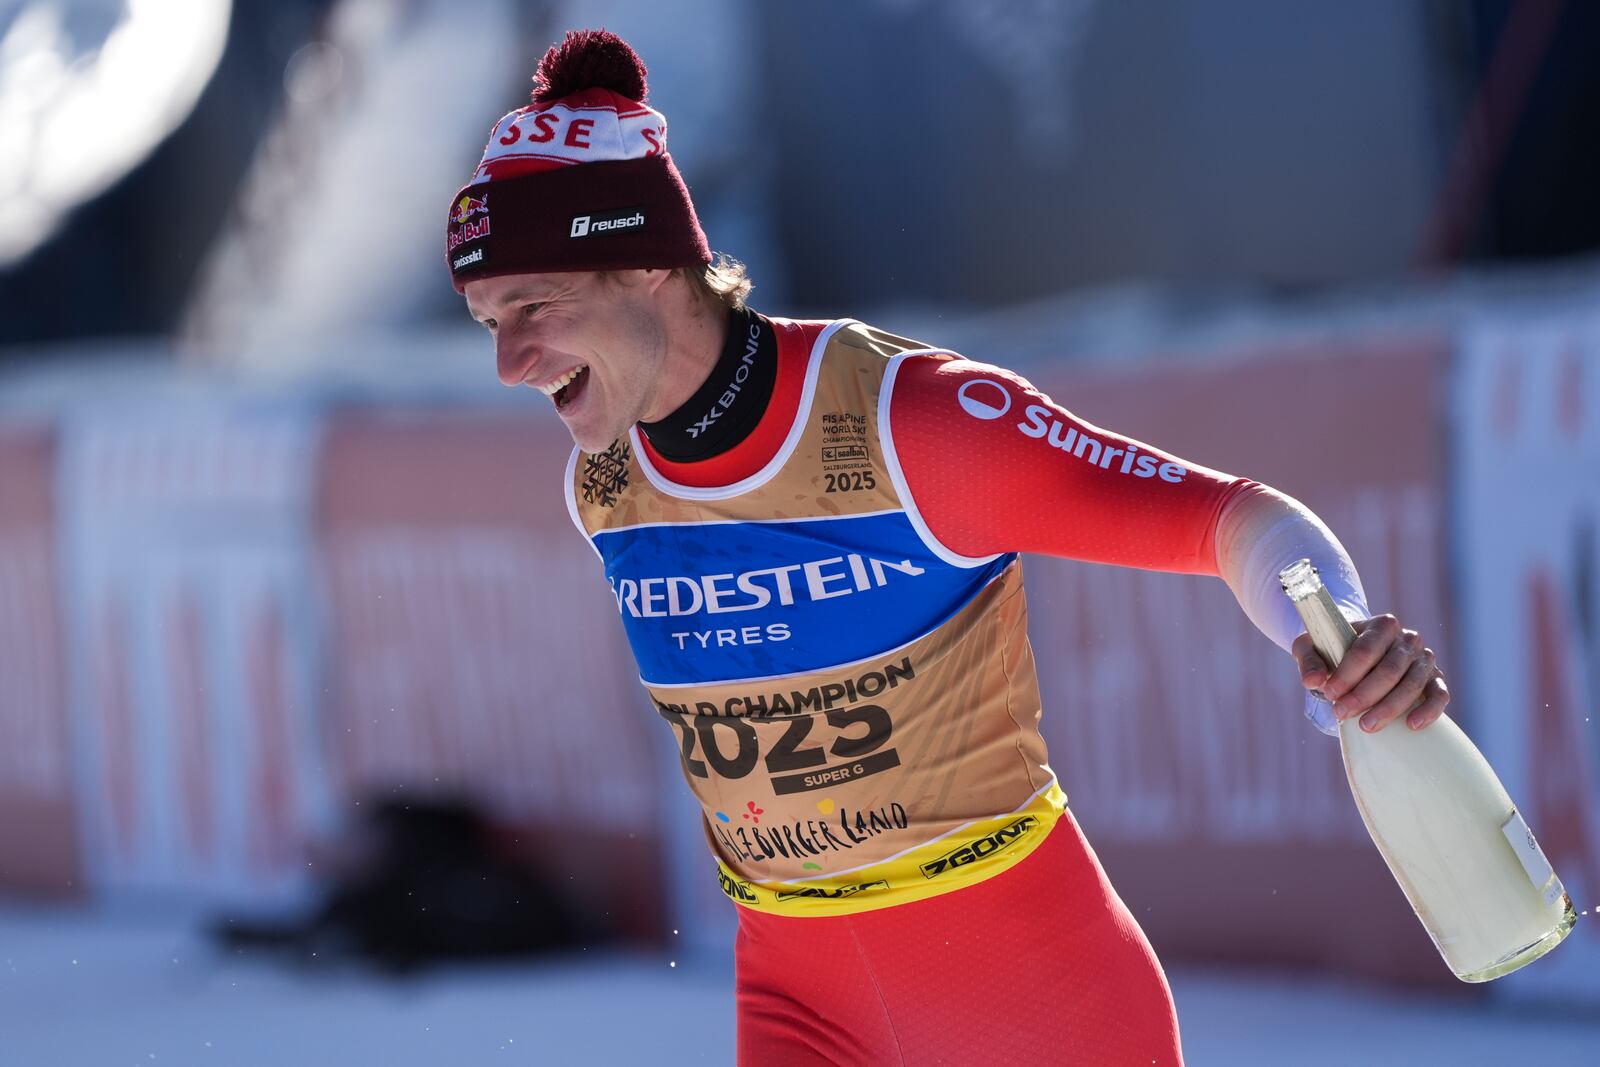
{"x": 1386, "y": 674}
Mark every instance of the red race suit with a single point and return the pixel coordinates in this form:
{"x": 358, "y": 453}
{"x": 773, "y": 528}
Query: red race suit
{"x": 831, "y": 618}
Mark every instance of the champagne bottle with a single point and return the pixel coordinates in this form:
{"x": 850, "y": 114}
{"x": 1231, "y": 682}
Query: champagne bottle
{"x": 1453, "y": 839}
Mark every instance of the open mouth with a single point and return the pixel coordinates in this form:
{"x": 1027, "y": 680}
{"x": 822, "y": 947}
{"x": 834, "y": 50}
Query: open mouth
{"x": 567, "y": 388}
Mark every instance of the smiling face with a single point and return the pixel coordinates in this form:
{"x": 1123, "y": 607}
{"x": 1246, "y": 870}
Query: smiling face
{"x": 594, "y": 343}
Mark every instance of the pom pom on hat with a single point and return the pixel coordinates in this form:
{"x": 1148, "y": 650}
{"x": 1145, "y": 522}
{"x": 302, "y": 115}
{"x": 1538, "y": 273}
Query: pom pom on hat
{"x": 589, "y": 59}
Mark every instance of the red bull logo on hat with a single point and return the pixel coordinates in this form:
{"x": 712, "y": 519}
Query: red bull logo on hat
{"x": 470, "y": 206}
{"x": 465, "y": 229}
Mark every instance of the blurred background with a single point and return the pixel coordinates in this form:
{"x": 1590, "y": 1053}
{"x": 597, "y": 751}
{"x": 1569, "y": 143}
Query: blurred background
{"x": 318, "y": 735}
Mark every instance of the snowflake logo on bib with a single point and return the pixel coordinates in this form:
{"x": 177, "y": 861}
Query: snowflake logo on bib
{"x": 605, "y": 474}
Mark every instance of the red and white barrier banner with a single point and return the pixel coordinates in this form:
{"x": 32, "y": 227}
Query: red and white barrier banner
{"x": 38, "y": 829}
{"x": 478, "y": 647}
{"x": 186, "y": 534}
{"x": 1527, "y": 469}
{"x": 222, "y": 620}
{"x": 1177, "y": 729}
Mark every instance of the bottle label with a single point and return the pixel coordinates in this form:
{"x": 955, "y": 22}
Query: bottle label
{"x": 1540, "y": 873}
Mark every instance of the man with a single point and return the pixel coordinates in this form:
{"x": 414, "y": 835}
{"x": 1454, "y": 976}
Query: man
{"x": 831, "y": 618}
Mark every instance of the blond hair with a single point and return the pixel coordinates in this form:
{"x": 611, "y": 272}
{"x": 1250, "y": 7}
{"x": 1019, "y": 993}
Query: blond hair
{"x": 724, "y": 280}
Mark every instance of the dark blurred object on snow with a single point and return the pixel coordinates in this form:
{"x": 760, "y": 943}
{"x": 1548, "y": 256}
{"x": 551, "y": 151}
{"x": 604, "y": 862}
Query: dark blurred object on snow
{"x": 432, "y": 881}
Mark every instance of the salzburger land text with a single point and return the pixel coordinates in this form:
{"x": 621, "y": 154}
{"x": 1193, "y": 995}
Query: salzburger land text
{"x": 810, "y": 837}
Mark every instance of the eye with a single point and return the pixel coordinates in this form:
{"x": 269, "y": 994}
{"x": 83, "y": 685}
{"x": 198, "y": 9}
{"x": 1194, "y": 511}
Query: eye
{"x": 532, "y": 309}
{"x": 489, "y": 324}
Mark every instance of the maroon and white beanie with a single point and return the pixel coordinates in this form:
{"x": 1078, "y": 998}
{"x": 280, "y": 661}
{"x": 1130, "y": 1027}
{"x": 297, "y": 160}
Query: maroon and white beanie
{"x": 579, "y": 180}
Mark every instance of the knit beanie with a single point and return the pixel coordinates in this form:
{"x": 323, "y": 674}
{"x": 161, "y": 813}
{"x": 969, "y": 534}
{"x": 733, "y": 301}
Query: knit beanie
{"x": 579, "y": 180}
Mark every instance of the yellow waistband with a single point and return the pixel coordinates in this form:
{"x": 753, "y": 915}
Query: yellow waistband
{"x": 976, "y": 851}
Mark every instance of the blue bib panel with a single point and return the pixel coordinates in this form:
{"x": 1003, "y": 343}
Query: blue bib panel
{"x": 724, "y": 601}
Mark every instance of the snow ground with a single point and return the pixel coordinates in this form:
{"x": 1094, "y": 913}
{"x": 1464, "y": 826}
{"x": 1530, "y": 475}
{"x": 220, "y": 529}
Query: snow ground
{"x": 80, "y": 989}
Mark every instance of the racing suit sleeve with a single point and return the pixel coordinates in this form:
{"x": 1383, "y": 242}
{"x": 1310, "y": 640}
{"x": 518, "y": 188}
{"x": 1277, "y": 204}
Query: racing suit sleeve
{"x": 993, "y": 465}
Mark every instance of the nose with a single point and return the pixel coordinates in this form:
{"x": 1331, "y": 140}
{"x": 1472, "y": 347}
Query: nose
{"x": 512, "y": 356}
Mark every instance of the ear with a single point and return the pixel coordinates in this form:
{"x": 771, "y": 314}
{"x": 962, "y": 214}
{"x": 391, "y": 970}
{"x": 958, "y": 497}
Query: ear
{"x": 645, "y": 281}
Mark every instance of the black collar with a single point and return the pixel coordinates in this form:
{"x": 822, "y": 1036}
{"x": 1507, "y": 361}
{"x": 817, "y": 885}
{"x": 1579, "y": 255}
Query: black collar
{"x": 732, "y": 399}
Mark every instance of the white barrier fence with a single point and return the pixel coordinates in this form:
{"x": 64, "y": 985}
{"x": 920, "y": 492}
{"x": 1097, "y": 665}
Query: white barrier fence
{"x": 1526, "y": 444}
{"x": 225, "y": 620}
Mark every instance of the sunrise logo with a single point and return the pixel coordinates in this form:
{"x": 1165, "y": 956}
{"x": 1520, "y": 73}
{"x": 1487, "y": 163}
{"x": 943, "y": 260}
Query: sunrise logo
{"x": 984, "y": 399}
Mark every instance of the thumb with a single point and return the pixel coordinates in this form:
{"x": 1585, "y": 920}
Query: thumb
{"x": 1313, "y": 669}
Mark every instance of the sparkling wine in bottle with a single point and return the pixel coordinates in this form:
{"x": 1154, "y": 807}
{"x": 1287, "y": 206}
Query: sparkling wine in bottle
{"x": 1453, "y": 839}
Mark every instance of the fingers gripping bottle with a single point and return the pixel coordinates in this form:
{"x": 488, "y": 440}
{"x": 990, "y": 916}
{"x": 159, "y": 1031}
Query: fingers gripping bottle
{"x": 1462, "y": 854}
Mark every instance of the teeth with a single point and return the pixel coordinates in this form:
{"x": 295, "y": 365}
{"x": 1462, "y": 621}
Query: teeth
{"x": 554, "y": 387}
